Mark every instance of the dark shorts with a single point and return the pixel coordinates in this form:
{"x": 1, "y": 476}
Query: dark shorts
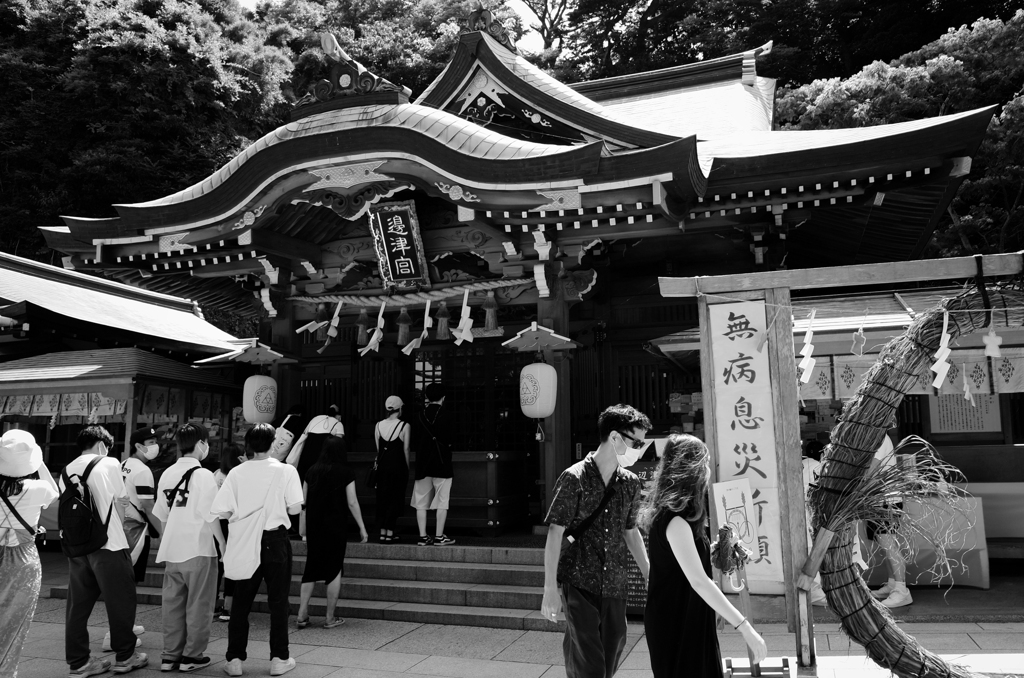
{"x": 883, "y": 526}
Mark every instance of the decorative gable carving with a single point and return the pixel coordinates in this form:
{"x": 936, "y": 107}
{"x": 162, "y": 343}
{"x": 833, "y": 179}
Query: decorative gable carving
{"x": 346, "y": 78}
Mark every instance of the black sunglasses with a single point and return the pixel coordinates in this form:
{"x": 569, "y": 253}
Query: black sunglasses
{"x": 636, "y": 444}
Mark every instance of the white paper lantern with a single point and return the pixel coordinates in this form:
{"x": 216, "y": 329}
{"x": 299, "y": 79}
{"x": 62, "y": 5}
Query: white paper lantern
{"x": 259, "y": 399}
{"x": 538, "y": 389}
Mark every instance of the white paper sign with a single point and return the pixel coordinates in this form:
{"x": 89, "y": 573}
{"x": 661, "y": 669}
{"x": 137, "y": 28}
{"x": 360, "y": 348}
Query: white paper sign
{"x": 745, "y": 428}
{"x": 953, "y": 414}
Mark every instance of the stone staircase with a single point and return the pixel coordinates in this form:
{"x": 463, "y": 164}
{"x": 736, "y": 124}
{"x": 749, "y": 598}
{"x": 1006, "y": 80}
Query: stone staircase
{"x": 480, "y": 586}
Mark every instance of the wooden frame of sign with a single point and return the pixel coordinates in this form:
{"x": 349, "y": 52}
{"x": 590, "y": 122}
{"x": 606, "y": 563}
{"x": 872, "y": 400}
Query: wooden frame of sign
{"x": 395, "y": 229}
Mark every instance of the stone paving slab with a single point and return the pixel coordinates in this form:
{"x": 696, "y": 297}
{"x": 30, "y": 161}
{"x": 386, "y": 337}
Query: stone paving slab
{"x": 466, "y": 642}
{"x": 363, "y": 659}
{"x": 455, "y": 667}
{"x": 356, "y": 633}
{"x": 535, "y": 647}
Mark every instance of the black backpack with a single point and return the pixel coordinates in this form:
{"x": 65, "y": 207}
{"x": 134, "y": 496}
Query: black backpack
{"x": 81, "y": 530}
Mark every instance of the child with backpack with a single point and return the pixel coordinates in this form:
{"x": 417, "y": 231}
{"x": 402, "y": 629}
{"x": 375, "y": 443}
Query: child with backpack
{"x": 188, "y": 548}
{"x": 90, "y": 518}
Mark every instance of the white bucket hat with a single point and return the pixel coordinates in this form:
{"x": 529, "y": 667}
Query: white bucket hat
{"x": 19, "y": 454}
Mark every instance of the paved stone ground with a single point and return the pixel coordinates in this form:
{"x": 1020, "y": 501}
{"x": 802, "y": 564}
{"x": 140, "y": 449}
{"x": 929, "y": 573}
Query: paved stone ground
{"x": 367, "y": 648}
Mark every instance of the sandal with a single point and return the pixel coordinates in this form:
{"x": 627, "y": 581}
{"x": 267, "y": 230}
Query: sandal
{"x": 332, "y": 622}
{"x": 302, "y": 623}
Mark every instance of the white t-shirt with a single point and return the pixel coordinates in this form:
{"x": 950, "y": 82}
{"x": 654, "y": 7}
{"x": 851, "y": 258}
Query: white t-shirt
{"x": 187, "y": 531}
{"x": 139, "y": 484}
{"x": 105, "y": 485}
{"x": 245, "y": 490}
{"x": 34, "y": 497}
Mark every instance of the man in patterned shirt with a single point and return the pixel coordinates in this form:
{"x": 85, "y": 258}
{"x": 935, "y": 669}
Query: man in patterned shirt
{"x": 591, "y": 572}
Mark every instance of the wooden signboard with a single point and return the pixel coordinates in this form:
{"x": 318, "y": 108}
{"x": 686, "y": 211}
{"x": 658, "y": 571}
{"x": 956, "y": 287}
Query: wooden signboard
{"x": 396, "y": 237}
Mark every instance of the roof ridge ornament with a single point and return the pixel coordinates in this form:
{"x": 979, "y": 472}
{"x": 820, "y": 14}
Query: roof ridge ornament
{"x": 482, "y": 19}
{"x": 347, "y": 77}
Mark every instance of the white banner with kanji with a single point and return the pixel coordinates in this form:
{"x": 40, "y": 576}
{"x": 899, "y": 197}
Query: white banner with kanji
{"x": 745, "y": 427}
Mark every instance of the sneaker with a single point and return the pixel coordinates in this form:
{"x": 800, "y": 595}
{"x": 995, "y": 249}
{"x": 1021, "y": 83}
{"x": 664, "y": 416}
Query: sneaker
{"x": 425, "y": 541}
{"x": 233, "y": 667}
{"x": 93, "y": 667}
{"x": 900, "y": 597}
{"x": 106, "y": 640}
{"x": 443, "y": 540}
{"x": 332, "y": 622}
{"x": 279, "y": 667}
{"x": 225, "y": 615}
{"x": 883, "y": 593}
{"x": 136, "y": 661}
{"x": 169, "y": 665}
{"x": 193, "y": 663}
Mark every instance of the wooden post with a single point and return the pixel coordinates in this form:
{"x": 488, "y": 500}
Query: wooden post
{"x": 793, "y": 518}
{"x": 556, "y": 451}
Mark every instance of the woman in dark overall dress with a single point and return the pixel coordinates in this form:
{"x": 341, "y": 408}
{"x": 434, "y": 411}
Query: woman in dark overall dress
{"x": 681, "y": 598}
{"x": 330, "y": 490}
{"x": 392, "y": 438}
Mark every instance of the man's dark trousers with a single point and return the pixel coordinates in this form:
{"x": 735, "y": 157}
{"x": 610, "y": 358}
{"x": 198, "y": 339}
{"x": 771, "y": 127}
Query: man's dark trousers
{"x": 102, "y": 572}
{"x": 595, "y": 634}
{"x": 276, "y": 569}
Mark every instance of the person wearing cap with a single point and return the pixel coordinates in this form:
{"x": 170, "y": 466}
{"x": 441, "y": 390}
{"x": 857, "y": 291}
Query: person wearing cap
{"x": 26, "y": 488}
{"x": 391, "y": 436}
{"x": 139, "y": 523}
{"x": 433, "y": 485}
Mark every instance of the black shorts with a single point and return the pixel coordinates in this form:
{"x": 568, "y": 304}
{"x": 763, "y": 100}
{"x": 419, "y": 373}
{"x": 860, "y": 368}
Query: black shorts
{"x": 884, "y": 526}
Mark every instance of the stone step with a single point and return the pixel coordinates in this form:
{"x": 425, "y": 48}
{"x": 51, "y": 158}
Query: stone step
{"x": 526, "y": 619}
{"x": 411, "y": 591}
{"x": 436, "y": 554}
{"x": 428, "y": 571}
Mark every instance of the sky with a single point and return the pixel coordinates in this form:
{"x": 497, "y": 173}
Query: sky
{"x": 531, "y": 42}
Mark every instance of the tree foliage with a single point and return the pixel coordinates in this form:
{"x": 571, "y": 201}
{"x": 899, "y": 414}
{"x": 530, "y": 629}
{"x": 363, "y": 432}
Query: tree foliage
{"x": 967, "y": 68}
{"x": 812, "y": 38}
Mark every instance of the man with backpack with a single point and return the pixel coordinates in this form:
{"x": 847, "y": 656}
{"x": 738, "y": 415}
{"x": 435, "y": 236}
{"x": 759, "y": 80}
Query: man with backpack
{"x": 90, "y": 517}
{"x": 189, "y": 550}
{"x": 433, "y": 485}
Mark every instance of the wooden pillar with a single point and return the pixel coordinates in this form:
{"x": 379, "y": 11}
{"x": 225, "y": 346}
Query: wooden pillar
{"x": 785, "y": 393}
{"x": 556, "y": 451}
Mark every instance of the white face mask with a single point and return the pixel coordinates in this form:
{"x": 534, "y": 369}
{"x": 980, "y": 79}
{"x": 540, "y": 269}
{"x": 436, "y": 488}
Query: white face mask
{"x": 630, "y": 456}
{"x": 151, "y": 452}
{"x": 202, "y": 449}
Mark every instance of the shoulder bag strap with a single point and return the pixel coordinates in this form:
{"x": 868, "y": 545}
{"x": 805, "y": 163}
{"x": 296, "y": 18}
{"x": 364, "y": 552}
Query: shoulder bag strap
{"x": 398, "y": 429}
{"x": 574, "y": 534}
{"x": 14, "y": 511}
{"x": 184, "y": 480}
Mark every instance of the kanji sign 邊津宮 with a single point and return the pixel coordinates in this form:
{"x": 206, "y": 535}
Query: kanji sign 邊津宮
{"x": 745, "y": 431}
{"x": 396, "y": 237}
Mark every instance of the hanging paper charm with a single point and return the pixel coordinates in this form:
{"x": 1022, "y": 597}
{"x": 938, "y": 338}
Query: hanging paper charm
{"x": 992, "y": 342}
{"x": 968, "y": 396}
{"x": 807, "y": 364}
{"x": 378, "y": 332}
{"x": 464, "y": 332}
{"x": 941, "y": 367}
{"x": 320, "y": 320}
{"x": 858, "y": 337}
{"x": 418, "y": 341}
{"x": 332, "y": 329}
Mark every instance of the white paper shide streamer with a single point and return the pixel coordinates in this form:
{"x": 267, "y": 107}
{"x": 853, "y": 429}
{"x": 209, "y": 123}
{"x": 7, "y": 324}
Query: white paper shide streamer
{"x": 378, "y": 333}
{"x": 428, "y": 322}
{"x": 464, "y": 332}
{"x": 808, "y": 363}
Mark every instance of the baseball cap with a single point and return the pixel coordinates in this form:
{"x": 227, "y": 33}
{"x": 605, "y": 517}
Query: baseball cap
{"x": 141, "y": 435}
{"x": 393, "y": 403}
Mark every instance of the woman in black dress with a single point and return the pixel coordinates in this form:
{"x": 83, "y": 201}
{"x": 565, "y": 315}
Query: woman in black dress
{"x": 681, "y": 597}
{"x": 392, "y": 438}
{"x": 327, "y": 527}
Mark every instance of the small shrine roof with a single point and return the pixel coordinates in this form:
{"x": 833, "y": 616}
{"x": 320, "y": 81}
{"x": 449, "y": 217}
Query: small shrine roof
{"x": 108, "y": 304}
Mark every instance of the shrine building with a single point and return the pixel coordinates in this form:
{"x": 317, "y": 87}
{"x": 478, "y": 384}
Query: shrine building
{"x": 528, "y": 200}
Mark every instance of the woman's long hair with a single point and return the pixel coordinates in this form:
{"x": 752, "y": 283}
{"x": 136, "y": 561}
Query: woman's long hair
{"x": 680, "y": 484}
{"x": 333, "y": 457}
{"x": 11, "y": 486}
